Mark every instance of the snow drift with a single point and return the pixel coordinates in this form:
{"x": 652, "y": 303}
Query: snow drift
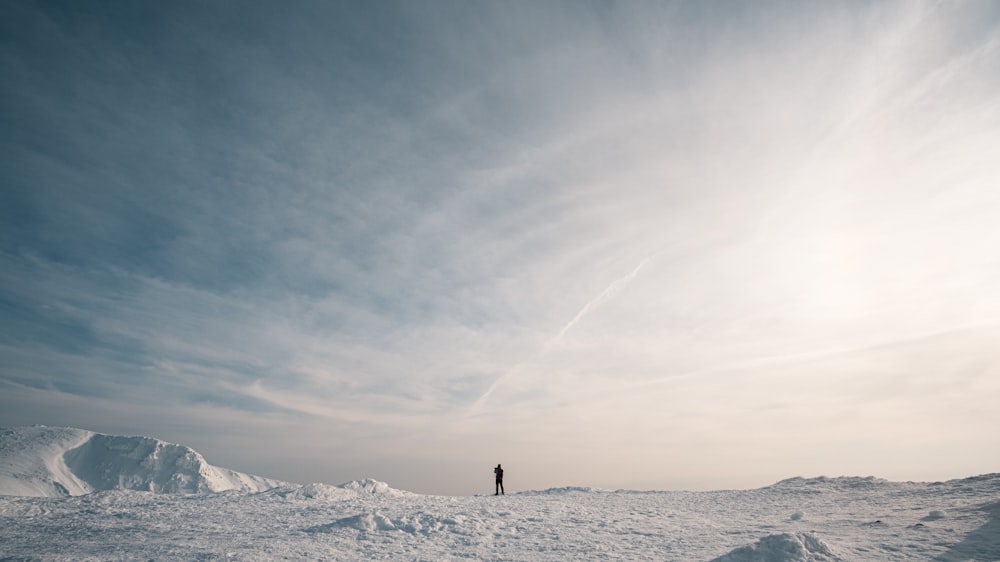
{"x": 61, "y": 461}
{"x": 785, "y": 547}
{"x": 370, "y": 486}
{"x": 354, "y": 488}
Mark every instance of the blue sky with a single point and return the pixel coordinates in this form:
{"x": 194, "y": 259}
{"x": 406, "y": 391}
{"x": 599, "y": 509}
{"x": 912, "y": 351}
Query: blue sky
{"x": 644, "y": 245}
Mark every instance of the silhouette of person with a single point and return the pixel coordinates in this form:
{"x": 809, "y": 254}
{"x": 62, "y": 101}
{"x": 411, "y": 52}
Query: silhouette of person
{"x": 499, "y": 472}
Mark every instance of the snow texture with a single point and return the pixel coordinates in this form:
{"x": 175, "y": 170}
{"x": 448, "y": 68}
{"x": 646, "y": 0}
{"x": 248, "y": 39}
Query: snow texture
{"x": 798, "y": 547}
{"x": 75, "y": 495}
{"x": 59, "y": 461}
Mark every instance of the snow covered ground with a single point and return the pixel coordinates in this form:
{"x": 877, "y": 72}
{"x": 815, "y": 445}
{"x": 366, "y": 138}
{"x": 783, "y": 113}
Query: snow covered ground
{"x": 796, "y": 519}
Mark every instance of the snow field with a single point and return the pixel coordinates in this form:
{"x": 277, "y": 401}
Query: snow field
{"x": 370, "y": 521}
{"x": 70, "y": 494}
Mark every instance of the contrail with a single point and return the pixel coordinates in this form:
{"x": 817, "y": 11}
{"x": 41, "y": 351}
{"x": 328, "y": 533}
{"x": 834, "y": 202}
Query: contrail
{"x": 607, "y": 294}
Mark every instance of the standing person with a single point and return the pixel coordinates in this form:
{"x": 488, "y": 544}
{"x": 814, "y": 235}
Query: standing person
{"x": 499, "y": 472}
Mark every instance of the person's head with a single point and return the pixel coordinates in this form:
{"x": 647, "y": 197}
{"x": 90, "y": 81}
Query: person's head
{"x": 498, "y": 465}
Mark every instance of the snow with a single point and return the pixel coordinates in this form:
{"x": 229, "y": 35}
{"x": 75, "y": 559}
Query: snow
{"x": 790, "y": 547}
{"x": 32, "y": 463}
{"x": 152, "y": 500}
{"x": 61, "y": 461}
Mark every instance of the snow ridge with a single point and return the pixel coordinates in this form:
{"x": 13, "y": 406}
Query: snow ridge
{"x": 59, "y": 461}
{"x": 824, "y": 483}
{"x": 367, "y": 487}
{"x": 564, "y": 490}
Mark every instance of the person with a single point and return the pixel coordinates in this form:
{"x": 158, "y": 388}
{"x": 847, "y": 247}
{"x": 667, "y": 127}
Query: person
{"x": 499, "y": 472}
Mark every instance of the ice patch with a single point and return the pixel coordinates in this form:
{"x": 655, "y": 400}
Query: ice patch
{"x": 799, "y": 547}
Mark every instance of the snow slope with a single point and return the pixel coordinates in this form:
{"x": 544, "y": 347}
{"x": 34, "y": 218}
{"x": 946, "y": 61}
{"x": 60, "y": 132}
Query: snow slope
{"x": 795, "y": 520}
{"x": 61, "y": 461}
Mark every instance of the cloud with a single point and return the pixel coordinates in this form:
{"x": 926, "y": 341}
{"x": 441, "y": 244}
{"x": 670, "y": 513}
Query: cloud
{"x": 605, "y": 295}
{"x": 369, "y": 218}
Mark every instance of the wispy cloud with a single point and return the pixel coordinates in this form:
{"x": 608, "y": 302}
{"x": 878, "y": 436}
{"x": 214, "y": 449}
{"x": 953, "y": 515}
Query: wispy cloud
{"x": 368, "y": 218}
{"x": 605, "y": 295}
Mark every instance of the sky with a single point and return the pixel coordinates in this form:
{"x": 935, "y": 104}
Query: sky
{"x": 646, "y": 245}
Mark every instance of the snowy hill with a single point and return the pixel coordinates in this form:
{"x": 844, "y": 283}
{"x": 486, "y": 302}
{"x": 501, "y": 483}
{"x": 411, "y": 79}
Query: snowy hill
{"x": 62, "y": 461}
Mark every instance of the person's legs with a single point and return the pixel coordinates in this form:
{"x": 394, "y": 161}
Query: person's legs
{"x": 501, "y": 487}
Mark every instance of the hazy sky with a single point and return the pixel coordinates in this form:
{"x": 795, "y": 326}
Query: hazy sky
{"x": 642, "y": 245}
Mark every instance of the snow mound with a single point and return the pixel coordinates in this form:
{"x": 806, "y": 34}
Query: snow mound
{"x": 314, "y": 491}
{"x": 373, "y": 521}
{"x": 326, "y": 492}
{"x": 825, "y": 483}
{"x": 993, "y": 478}
{"x": 370, "y": 486}
{"x": 798, "y": 547}
{"x": 934, "y": 516}
{"x": 60, "y": 461}
{"x": 562, "y": 491}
